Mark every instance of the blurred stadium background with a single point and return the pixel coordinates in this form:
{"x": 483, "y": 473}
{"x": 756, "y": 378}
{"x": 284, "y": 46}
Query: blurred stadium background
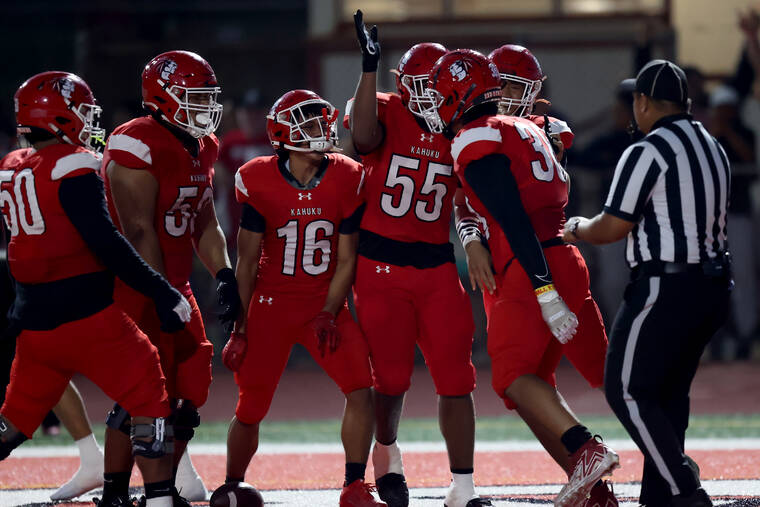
{"x": 262, "y": 48}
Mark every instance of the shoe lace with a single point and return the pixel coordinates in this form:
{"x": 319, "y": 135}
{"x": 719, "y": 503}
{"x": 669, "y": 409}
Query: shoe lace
{"x": 370, "y": 487}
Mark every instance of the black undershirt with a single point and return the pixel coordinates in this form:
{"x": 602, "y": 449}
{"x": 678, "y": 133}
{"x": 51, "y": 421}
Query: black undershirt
{"x": 48, "y": 305}
{"x": 493, "y": 182}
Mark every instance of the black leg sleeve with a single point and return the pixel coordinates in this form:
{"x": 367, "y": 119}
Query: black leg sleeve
{"x": 493, "y": 182}
{"x": 83, "y": 200}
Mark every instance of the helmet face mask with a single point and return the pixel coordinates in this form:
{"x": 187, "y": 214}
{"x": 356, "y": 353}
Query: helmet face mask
{"x": 198, "y": 111}
{"x": 91, "y": 135}
{"x": 518, "y": 106}
{"x": 311, "y": 125}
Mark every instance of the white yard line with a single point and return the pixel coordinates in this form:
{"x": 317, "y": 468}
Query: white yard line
{"x": 428, "y": 496}
{"x": 220, "y": 449}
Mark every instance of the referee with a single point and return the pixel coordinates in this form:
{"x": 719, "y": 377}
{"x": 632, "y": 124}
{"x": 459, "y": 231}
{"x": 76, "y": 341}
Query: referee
{"x": 669, "y": 196}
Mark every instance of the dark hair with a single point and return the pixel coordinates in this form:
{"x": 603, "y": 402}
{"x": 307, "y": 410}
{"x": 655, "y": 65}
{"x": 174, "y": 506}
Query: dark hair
{"x": 484, "y": 109}
{"x": 36, "y": 135}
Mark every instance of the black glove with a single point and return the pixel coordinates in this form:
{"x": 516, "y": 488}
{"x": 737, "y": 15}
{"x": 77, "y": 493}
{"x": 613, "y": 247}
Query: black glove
{"x": 228, "y": 298}
{"x": 368, "y": 43}
{"x": 173, "y": 310}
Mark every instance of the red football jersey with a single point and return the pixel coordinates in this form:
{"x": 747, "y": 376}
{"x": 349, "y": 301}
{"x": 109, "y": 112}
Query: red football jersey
{"x": 540, "y": 178}
{"x": 45, "y": 246}
{"x": 184, "y": 186}
{"x": 410, "y": 181}
{"x": 556, "y": 126}
{"x": 299, "y": 246}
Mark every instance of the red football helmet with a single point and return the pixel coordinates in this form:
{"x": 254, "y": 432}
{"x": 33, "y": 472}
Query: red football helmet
{"x": 302, "y": 116}
{"x": 517, "y": 65}
{"x": 182, "y": 87}
{"x": 412, "y": 74}
{"x": 459, "y": 81}
{"x": 60, "y": 103}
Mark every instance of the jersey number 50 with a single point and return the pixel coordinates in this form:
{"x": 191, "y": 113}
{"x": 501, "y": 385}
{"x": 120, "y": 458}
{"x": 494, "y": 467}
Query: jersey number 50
{"x": 404, "y": 201}
{"x": 32, "y": 222}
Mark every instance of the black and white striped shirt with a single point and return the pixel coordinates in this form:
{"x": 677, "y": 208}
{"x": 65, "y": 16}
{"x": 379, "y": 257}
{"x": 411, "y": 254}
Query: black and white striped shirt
{"x": 674, "y": 184}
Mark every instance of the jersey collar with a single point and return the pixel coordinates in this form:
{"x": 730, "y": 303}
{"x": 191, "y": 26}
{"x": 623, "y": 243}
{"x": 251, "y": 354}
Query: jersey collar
{"x": 284, "y": 167}
{"x": 670, "y": 119}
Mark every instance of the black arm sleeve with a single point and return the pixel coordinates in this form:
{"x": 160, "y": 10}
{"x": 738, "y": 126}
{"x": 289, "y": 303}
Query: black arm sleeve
{"x": 83, "y": 200}
{"x": 350, "y": 224}
{"x": 493, "y": 182}
{"x": 252, "y": 220}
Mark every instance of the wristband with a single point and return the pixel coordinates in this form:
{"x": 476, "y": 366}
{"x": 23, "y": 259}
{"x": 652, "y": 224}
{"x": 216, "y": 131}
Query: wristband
{"x": 544, "y": 289}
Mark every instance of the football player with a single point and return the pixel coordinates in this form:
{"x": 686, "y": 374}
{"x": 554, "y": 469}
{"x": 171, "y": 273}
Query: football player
{"x": 407, "y": 290}
{"x": 512, "y": 179}
{"x": 158, "y": 170}
{"x": 64, "y": 244}
{"x": 296, "y": 261}
{"x": 521, "y": 78}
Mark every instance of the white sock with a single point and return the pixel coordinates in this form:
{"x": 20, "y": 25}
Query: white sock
{"x": 89, "y": 450}
{"x": 88, "y": 476}
{"x": 162, "y": 501}
{"x": 386, "y": 459}
{"x": 463, "y": 485}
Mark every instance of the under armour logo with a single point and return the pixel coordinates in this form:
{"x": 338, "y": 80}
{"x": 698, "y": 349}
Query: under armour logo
{"x": 381, "y": 269}
{"x": 302, "y": 196}
{"x": 196, "y": 163}
{"x": 268, "y": 300}
{"x": 426, "y": 137}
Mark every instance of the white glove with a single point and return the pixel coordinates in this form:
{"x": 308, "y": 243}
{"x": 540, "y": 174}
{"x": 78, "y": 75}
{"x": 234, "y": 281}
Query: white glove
{"x": 183, "y": 310}
{"x": 561, "y": 321}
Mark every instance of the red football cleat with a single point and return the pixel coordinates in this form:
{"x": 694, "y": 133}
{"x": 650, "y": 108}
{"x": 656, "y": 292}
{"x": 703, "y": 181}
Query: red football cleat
{"x": 601, "y": 496}
{"x": 359, "y": 494}
{"x": 591, "y": 462}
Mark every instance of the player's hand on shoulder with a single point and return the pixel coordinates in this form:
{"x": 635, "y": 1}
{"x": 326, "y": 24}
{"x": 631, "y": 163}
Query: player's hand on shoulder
{"x": 234, "y": 351}
{"x": 228, "y": 298}
{"x": 480, "y": 267}
{"x": 173, "y": 310}
{"x": 326, "y": 331}
{"x": 367, "y": 42}
{"x": 561, "y": 321}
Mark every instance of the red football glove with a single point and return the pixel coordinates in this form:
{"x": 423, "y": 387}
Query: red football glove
{"x": 326, "y": 332}
{"x": 234, "y": 352}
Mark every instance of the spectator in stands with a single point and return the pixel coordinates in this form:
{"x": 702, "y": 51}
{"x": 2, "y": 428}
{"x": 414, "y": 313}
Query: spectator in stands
{"x": 725, "y": 123}
{"x": 238, "y": 146}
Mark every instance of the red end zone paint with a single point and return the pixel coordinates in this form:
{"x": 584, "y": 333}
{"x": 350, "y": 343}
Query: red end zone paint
{"x": 427, "y": 469}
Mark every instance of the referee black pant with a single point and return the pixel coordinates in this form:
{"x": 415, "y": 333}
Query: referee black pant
{"x": 655, "y": 345}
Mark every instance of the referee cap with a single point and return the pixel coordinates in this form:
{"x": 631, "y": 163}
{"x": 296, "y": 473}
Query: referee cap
{"x": 660, "y": 80}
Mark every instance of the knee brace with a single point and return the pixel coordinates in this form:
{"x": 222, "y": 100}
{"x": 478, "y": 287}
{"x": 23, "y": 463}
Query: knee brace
{"x": 10, "y": 438}
{"x": 185, "y": 418}
{"x": 119, "y": 419}
{"x": 152, "y": 440}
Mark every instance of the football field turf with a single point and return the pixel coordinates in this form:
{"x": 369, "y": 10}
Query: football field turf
{"x": 300, "y": 463}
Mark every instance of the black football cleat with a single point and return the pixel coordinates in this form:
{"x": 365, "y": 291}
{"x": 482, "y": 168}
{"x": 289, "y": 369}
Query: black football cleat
{"x": 116, "y": 501}
{"x": 698, "y": 498}
{"x": 478, "y": 502}
{"x": 392, "y": 490}
{"x": 177, "y": 500}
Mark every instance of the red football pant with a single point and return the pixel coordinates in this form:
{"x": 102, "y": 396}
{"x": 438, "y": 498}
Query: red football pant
{"x": 519, "y": 341}
{"x": 107, "y": 347}
{"x": 399, "y": 307}
{"x": 187, "y": 380}
{"x": 276, "y": 323}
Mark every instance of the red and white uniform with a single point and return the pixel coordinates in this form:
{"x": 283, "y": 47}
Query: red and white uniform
{"x": 184, "y": 188}
{"x": 301, "y": 226}
{"x": 519, "y": 342}
{"x": 407, "y": 289}
{"x": 45, "y": 247}
{"x": 556, "y": 126}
